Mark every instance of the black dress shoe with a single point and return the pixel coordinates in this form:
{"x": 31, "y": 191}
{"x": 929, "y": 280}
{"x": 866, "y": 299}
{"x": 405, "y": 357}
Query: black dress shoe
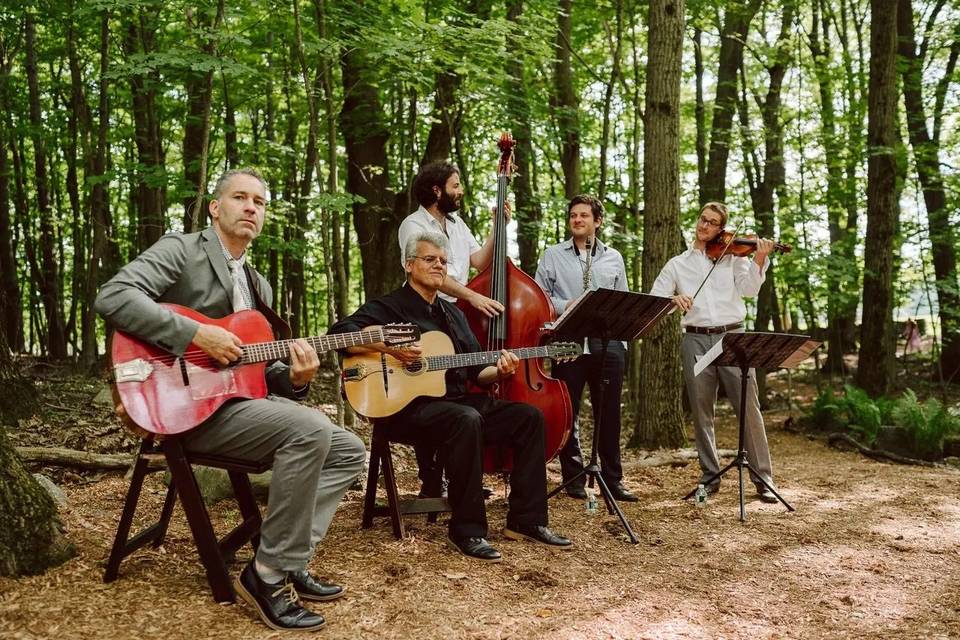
{"x": 310, "y": 588}
{"x": 435, "y": 487}
{"x": 537, "y": 533}
{"x": 578, "y": 492}
{"x": 477, "y": 548}
{"x": 278, "y": 604}
{"x": 620, "y": 493}
{"x": 766, "y": 495}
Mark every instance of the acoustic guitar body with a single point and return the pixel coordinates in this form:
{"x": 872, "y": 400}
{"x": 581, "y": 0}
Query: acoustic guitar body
{"x": 378, "y": 385}
{"x": 164, "y": 394}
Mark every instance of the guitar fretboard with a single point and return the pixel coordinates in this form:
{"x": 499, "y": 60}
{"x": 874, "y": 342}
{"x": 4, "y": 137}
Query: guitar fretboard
{"x": 456, "y": 360}
{"x": 279, "y": 349}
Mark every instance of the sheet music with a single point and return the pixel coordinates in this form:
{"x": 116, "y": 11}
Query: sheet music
{"x": 704, "y": 361}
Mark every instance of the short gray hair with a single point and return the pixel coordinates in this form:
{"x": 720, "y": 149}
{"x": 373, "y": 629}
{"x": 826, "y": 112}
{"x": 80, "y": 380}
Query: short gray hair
{"x": 226, "y": 176}
{"x": 436, "y": 239}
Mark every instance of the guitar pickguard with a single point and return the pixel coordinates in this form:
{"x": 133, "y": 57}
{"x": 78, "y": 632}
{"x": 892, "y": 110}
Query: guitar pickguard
{"x": 210, "y": 383}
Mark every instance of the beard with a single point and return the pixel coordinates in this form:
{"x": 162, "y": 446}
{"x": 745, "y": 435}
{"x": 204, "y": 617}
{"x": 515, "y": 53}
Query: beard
{"x": 447, "y": 203}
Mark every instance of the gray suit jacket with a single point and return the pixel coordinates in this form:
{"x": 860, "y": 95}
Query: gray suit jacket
{"x": 185, "y": 269}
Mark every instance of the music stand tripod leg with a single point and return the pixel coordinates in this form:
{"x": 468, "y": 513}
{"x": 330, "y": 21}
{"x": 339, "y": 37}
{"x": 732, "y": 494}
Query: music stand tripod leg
{"x": 740, "y": 461}
{"x": 592, "y": 470}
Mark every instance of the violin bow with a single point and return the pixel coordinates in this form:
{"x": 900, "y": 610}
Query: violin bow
{"x": 717, "y": 261}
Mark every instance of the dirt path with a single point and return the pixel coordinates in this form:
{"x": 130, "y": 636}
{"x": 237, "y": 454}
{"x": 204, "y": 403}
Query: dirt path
{"x": 872, "y": 550}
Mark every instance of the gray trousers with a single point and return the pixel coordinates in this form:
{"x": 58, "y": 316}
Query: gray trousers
{"x": 702, "y": 392}
{"x": 314, "y": 462}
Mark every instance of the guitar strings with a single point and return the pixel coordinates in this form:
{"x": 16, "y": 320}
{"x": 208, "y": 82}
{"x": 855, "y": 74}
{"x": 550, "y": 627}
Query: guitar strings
{"x": 197, "y": 356}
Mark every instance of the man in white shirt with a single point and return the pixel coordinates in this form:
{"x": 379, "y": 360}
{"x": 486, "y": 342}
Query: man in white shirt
{"x": 718, "y": 309}
{"x": 439, "y": 193}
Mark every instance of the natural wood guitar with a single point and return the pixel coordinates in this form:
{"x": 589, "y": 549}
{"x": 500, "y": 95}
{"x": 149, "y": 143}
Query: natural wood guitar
{"x": 378, "y": 385}
{"x": 167, "y": 394}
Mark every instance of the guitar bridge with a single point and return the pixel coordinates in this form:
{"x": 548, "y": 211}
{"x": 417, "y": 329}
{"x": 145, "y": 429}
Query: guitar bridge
{"x": 352, "y": 374}
{"x": 138, "y": 370}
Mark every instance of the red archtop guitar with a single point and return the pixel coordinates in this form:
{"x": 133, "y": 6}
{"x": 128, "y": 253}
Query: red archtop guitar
{"x": 378, "y": 385}
{"x": 167, "y": 394}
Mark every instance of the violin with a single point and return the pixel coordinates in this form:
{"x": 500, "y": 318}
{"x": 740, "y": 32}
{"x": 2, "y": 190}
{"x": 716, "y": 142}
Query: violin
{"x": 729, "y": 244}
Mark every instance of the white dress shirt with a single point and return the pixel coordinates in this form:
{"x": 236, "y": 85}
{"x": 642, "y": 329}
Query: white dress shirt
{"x": 462, "y": 242}
{"x": 720, "y": 302}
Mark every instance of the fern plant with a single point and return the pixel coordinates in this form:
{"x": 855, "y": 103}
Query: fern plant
{"x": 864, "y": 415}
{"x": 928, "y": 422}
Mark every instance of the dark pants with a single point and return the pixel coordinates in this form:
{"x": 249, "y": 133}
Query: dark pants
{"x": 459, "y": 430}
{"x": 586, "y": 370}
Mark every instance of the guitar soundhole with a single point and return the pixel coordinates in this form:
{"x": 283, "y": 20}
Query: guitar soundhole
{"x": 415, "y": 368}
{"x": 210, "y": 383}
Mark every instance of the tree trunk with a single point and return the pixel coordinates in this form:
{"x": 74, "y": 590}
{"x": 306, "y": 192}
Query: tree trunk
{"x": 659, "y": 415}
{"x": 78, "y": 134}
{"x": 341, "y": 284}
{"x": 149, "y": 173}
{"x": 229, "y": 126}
{"x": 608, "y": 100}
{"x": 926, "y": 153}
{"x": 877, "y": 342}
{"x": 842, "y": 272}
{"x": 565, "y": 102}
{"x": 196, "y": 127}
{"x": 365, "y": 135}
{"x": 700, "y": 111}
{"x": 733, "y": 35}
{"x": 10, "y": 313}
{"x": 30, "y": 540}
{"x": 100, "y": 205}
{"x": 50, "y": 272}
{"x": 529, "y": 215}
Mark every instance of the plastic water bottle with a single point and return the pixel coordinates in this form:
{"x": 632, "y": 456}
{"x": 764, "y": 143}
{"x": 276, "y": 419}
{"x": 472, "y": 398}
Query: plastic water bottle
{"x": 700, "y": 497}
{"x": 591, "y": 502}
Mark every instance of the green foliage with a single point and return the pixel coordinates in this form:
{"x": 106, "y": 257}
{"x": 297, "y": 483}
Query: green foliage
{"x": 863, "y": 413}
{"x": 928, "y": 422}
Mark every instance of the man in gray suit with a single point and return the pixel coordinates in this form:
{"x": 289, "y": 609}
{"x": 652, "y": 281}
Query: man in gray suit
{"x": 314, "y": 461}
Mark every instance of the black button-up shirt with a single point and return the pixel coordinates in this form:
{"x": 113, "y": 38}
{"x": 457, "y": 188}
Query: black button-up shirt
{"x": 406, "y": 305}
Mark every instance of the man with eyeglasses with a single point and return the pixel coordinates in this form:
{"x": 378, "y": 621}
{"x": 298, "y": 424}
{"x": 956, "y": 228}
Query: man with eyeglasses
{"x": 718, "y": 309}
{"x": 460, "y": 424}
{"x": 439, "y": 192}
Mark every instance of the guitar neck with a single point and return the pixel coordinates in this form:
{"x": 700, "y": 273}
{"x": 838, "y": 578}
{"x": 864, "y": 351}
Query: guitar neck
{"x": 280, "y": 349}
{"x": 457, "y": 360}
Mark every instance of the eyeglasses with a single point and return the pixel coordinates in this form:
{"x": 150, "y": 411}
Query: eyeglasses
{"x": 708, "y": 221}
{"x": 432, "y": 260}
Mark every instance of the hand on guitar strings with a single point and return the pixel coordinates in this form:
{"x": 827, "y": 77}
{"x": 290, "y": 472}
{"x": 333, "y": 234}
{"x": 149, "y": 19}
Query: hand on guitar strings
{"x": 410, "y": 352}
{"x": 218, "y": 343}
{"x": 507, "y": 364}
{"x": 304, "y": 363}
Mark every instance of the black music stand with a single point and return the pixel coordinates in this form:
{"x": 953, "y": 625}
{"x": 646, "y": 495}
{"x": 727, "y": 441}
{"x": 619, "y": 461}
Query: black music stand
{"x": 754, "y": 350}
{"x": 608, "y": 315}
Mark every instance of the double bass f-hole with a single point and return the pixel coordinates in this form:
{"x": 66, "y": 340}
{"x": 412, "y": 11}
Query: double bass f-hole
{"x": 530, "y": 384}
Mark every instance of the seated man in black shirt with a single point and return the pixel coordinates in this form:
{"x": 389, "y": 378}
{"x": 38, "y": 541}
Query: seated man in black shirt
{"x": 459, "y": 425}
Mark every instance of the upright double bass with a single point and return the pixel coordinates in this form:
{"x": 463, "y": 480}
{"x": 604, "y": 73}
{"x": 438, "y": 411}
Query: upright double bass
{"x": 527, "y": 308}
